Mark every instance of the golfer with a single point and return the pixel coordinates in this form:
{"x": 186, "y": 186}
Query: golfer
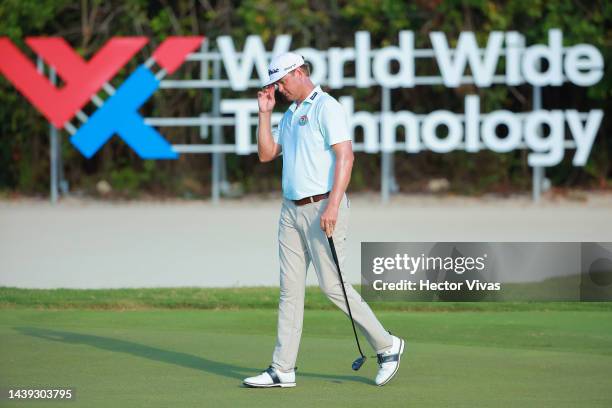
{"x": 314, "y": 140}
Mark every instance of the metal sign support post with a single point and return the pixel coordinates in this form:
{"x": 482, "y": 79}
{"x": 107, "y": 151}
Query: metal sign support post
{"x": 53, "y": 139}
{"x": 54, "y": 148}
{"x": 217, "y": 158}
{"x": 537, "y": 177}
{"x": 386, "y": 164}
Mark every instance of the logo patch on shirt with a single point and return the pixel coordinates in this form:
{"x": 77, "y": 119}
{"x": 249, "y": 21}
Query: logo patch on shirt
{"x": 303, "y": 120}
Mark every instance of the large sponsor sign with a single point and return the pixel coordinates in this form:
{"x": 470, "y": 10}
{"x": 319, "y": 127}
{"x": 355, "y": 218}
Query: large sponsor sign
{"x": 117, "y": 115}
{"x": 505, "y": 60}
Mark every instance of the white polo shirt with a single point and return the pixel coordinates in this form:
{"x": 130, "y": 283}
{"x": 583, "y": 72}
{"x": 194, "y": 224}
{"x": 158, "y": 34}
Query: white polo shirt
{"x": 307, "y": 133}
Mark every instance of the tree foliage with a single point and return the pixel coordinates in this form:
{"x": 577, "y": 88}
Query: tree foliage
{"x": 88, "y": 24}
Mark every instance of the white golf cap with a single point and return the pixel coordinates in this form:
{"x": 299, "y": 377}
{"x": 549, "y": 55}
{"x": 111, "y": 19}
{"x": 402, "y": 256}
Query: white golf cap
{"x": 281, "y": 65}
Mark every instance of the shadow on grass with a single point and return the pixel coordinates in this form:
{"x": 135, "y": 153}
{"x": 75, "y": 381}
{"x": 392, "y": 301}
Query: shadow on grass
{"x": 165, "y": 356}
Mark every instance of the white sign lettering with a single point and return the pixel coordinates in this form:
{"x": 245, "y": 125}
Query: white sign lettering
{"x": 540, "y": 131}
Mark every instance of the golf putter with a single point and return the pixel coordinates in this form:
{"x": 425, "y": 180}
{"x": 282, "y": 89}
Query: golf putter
{"x": 360, "y": 360}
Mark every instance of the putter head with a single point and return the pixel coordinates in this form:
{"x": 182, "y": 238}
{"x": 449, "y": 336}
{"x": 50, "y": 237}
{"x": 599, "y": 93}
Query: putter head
{"x": 358, "y": 362}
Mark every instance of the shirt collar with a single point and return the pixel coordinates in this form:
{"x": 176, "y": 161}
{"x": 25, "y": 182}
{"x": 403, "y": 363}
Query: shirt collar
{"x": 312, "y": 96}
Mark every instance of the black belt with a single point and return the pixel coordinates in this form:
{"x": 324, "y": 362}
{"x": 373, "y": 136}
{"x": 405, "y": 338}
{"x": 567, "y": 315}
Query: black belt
{"x": 311, "y": 199}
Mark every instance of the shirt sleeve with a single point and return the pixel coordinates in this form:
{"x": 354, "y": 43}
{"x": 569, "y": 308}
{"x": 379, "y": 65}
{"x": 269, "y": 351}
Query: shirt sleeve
{"x": 276, "y": 133}
{"x": 333, "y": 122}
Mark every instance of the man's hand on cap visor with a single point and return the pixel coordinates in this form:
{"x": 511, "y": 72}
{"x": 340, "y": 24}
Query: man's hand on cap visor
{"x": 271, "y": 86}
{"x": 265, "y": 99}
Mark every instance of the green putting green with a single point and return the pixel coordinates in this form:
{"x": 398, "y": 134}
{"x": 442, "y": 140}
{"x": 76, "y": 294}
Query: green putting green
{"x": 197, "y": 358}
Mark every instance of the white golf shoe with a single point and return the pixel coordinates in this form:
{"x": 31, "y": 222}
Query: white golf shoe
{"x": 271, "y": 377}
{"x": 389, "y": 362}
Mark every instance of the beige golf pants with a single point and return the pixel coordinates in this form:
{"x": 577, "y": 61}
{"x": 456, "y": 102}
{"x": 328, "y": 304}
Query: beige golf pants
{"x": 301, "y": 241}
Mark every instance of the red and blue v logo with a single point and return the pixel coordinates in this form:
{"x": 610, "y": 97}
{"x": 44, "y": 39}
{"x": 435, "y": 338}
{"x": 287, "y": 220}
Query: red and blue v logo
{"x": 84, "y": 79}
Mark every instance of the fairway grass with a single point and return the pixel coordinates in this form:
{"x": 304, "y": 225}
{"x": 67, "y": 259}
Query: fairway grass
{"x": 197, "y": 358}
